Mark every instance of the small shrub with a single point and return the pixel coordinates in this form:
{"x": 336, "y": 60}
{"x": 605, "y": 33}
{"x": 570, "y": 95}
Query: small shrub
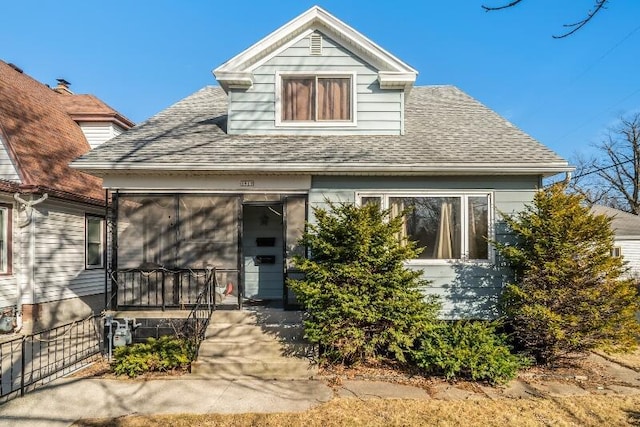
{"x": 467, "y": 350}
{"x": 159, "y": 355}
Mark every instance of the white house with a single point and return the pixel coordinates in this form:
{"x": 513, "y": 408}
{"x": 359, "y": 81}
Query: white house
{"x": 626, "y": 227}
{"x": 52, "y": 218}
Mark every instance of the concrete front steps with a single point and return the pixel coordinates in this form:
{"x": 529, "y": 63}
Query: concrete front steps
{"x": 260, "y": 343}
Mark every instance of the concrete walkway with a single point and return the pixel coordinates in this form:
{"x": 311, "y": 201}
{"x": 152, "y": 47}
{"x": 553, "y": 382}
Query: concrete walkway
{"x": 64, "y": 401}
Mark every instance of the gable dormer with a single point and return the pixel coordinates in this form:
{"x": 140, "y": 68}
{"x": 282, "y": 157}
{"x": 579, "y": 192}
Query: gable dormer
{"x": 315, "y": 75}
{"x": 98, "y": 122}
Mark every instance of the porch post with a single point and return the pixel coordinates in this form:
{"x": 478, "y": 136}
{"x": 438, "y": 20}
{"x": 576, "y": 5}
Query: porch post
{"x": 113, "y": 272}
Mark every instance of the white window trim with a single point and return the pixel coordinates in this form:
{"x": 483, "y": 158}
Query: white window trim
{"x": 8, "y": 245}
{"x": 316, "y": 124}
{"x": 88, "y": 266}
{"x": 464, "y": 206}
{"x": 618, "y": 249}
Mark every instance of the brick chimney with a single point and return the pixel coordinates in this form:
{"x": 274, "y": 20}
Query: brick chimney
{"x": 63, "y": 86}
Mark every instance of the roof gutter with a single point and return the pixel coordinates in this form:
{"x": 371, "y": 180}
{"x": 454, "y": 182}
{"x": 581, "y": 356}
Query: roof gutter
{"x": 102, "y": 169}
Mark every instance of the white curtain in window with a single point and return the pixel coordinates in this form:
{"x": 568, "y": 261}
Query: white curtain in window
{"x": 397, "y": 206}
{"x": 444, "y": 246}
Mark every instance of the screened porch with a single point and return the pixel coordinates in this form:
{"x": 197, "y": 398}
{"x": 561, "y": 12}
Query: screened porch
{"x": 169, "y": 247}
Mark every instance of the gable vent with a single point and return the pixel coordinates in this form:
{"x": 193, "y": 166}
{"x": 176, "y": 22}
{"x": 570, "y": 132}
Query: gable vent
{"x": 315, "y": 44}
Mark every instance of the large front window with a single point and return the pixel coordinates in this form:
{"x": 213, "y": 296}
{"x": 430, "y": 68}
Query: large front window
{"x": 316, "y": 99}
{"x": 448, "y": 227}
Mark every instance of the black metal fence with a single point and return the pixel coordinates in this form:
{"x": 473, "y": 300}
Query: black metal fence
{"x": 31, "y": 361}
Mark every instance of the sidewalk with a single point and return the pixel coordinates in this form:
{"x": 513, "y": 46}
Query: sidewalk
{"x": 64, "y": 401}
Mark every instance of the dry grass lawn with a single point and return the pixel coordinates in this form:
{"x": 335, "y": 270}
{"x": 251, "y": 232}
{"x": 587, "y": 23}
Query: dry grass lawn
{"x": 570, "y": 411}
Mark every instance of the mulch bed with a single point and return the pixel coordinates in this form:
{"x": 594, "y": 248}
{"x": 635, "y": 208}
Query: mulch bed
{"x": 577, "y": 369}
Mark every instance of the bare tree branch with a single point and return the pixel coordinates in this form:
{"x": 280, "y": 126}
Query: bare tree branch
{"x": 599, "y": 5}
{"x": 577, "y": 25}
{"x": 491, "y": 8}
{"x": 613, "y": 178}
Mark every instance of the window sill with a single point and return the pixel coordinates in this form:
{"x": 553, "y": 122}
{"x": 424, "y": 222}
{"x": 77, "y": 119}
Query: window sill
{"x": 320, "y": 124}
{"x": 460, "y": 261}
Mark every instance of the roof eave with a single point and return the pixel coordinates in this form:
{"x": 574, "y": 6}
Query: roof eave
{"x": 115, "y": 118}
{"x": 242, "y": 62}
{"x": 548, "y": 169}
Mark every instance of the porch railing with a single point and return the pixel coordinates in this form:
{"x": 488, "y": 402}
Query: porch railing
{"x": 195, "y": 326}
{"x": 31, "y": 361}
{"x": 160, "y": 288}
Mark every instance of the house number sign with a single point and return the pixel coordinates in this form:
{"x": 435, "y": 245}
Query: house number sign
{"x": 246, "y": 183}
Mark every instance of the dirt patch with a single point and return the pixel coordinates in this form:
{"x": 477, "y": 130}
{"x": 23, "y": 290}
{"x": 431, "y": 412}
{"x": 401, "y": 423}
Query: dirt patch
{"x": 577, "y": 369}
{"x": 628, "y": 360}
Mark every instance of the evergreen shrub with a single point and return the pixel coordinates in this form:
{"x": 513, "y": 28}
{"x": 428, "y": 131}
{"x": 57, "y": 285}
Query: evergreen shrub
{"x": 156, "y": 355}
{"x": 569, "y": 294}
{"x": 472, "y": 350}
{"x": 363, "y": 303}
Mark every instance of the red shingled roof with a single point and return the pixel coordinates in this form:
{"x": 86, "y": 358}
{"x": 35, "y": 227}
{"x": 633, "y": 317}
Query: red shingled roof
{"x": 91, "y": 109}
{"x": 42, "y": 137}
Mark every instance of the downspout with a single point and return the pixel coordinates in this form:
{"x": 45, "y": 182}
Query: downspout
{"x": 567, "y": 178}
{"x": 27, "y": 205}
{"x": 106, "y": 247}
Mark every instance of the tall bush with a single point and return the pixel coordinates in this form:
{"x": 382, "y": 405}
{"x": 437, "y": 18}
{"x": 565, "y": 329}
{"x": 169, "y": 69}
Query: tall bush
{"x": 363, "y": 302}
{"x": 569, "y": 293}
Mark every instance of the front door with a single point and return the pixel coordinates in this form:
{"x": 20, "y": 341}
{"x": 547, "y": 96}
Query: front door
{"x": 262, "y": 248}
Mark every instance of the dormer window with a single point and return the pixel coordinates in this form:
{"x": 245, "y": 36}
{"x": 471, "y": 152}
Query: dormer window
{"x": 315, "y": 100}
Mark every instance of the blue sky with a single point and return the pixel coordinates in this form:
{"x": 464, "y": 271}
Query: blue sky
{"x": 142, "y": 56}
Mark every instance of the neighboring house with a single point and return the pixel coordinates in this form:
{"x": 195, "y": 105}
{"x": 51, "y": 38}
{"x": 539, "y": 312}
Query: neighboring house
{"x": 313, "y": 112}
{"x": 52, "y": 244}
{"x": 626, "y": 227}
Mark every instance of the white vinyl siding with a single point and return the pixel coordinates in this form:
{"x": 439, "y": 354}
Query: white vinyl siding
{"x": 466, "y": 289}
{"x": 59, "y": 269}
{"x": 99, "y": 132}
{"x": 630, "y": 250}
{"x": 8, "y": 170}
{"x": 253, "y": 111}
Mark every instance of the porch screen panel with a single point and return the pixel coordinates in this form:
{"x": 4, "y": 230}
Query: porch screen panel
{"x": 208, "y": 232}
{"x": 146, "y": 232}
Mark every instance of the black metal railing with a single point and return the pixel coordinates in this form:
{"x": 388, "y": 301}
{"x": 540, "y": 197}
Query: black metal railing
{"x": 195, "y": 326}
{"x": 159, "y": 288}
{"x": 31, "y": 361}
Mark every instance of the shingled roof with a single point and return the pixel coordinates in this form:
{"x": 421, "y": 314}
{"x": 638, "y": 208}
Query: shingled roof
{"x": 446, "y": 132}
{"x": 88, "y": 108}
{"x": 42, "y": 138}
{"x": 624, "y": 224}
